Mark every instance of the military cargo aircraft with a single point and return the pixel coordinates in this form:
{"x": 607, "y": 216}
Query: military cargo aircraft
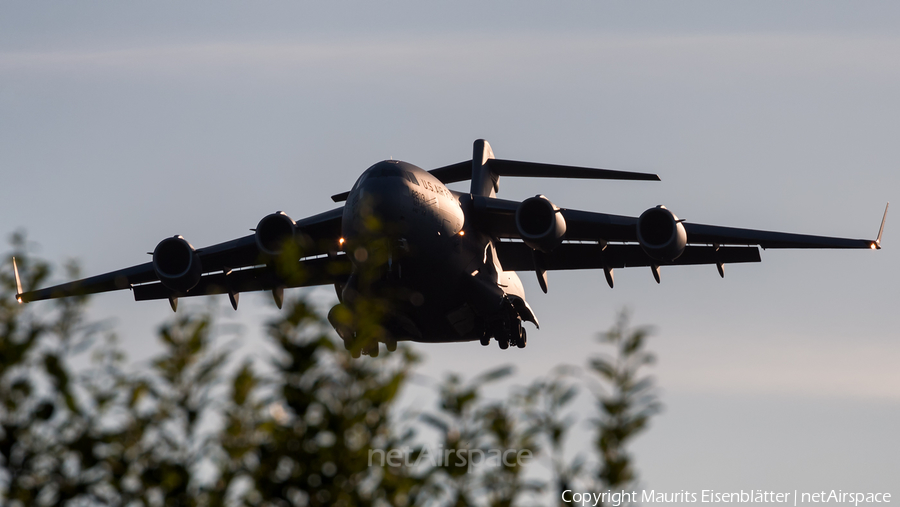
{"x": 443, "y": 262}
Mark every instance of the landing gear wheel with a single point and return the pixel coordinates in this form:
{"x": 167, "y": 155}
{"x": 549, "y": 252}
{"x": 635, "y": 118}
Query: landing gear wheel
{"x": 503, "y": 342}
{"x": 355, "y": 353}
{"x": 523, "y": 340}
{"x": 391, "y": 345}
{"x": 371, "y": 350}
{"x": 485, "y": 340}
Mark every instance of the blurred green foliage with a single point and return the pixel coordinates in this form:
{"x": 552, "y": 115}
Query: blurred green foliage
{"x": 196, "y": 426}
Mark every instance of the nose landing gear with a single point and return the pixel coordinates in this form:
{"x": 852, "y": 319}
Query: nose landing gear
{"x": 341, "y": 318}
{"x": 371, "y": 349}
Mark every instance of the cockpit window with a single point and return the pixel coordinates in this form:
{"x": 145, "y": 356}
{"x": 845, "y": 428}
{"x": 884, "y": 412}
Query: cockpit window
{"x": 383, "y": 172}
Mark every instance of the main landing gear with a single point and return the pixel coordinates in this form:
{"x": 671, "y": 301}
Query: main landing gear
{"x": 507, "y": 335}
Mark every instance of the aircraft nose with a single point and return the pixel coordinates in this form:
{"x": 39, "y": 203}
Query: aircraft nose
{"x": 385, "y": 198}
{"x": 380, "y": 207}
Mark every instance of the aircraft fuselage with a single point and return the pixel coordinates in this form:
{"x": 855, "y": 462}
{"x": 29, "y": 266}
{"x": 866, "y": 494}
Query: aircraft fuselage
{"x": 437, "y": 269}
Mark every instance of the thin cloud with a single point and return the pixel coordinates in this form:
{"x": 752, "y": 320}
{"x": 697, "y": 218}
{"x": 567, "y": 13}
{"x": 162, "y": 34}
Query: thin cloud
{"x": 705, "y": 56}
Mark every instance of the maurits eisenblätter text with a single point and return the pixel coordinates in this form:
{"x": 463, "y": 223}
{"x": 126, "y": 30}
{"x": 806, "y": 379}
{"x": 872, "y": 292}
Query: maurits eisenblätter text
{"x": 624, "y": 497}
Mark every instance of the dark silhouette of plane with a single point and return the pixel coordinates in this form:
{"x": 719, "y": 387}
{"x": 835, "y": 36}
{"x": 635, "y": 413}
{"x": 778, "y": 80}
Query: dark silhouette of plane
{"x": 443, "y": 263}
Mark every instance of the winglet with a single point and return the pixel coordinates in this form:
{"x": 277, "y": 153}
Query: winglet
{"x": 18, "y": 282}
{"x": 877, "y": 244}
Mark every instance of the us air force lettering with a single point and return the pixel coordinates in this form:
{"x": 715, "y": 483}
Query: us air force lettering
{"x": 442, "y": 265}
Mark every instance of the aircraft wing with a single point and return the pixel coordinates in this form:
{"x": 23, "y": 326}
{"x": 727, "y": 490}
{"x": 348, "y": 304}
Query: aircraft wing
{"x": 499, "y": 217}
{"x": 231, "y": 267}
{"x": 599, "y": 240}
{"x": 515, "y": 256}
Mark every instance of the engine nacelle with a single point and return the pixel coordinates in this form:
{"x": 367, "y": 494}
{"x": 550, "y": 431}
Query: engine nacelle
{"x": 661, "y": 234}
{"x": 177, "y": 264}
{"x": 540, "y": 223}
{"x": 273, "y": 231}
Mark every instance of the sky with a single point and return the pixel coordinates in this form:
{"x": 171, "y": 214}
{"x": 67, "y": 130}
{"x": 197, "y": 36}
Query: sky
{"x": 124, "y": 123}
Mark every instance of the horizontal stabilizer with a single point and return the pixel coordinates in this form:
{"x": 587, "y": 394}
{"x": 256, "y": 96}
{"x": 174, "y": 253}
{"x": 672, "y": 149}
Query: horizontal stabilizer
{"x": 462, "y": 171}
{"x": 496, "y": 167}
{"x": 536, "y": 170}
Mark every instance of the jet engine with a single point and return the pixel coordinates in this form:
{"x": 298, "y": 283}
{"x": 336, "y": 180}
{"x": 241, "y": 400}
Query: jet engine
{"x": 661, "y": 234}
{"x": 540, "y": 223}
{"x": 272, "y": 231}
{"x": 177, "y": 264}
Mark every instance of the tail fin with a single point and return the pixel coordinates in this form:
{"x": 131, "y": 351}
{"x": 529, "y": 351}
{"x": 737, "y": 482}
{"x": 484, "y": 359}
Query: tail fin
{"x": 485, "y": 181}
{"x": 18, "y": 281}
